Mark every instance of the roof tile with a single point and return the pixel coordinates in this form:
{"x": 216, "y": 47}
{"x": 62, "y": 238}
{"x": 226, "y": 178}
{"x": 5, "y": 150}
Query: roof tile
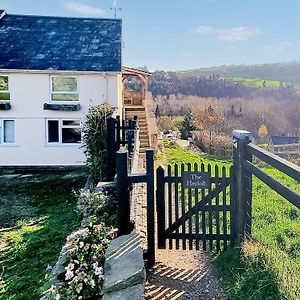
{"x": 42, "y": 43}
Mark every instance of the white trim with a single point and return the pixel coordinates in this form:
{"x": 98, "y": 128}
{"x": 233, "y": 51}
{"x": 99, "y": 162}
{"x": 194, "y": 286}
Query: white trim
{"x": 63, "y": 92}
{"x": 60, "y": 127}
{"x": 2, "y": 143}
{"x": 6, "y": 91}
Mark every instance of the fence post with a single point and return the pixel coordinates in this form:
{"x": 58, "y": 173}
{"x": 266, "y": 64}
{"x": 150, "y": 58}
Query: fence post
{"x": 150, "y": 206}
{"x": 242, "y": 186}
{"x": 111, "y": 148}
{"x": 160, "y": 207}
{"x": 124, "y": 225}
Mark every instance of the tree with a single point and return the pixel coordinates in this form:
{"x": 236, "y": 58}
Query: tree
{"x": 188, "y": 124}
{"x": 263, "y": 131}
{"x": 157, "y": 111}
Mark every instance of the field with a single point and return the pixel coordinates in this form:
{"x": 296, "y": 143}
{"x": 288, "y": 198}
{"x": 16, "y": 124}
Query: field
{"x": 267, "y": 267}
{"x": 256, "y": 82}
{"x": 37, "y": 214}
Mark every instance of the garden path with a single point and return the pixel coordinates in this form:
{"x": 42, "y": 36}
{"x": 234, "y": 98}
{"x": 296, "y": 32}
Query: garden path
{"x": 187, "y": 274}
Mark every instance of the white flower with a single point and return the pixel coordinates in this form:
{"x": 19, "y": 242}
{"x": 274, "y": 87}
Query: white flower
{"x": 81, "y": 244}
{"x": 92, "y": 283}
{"x": 79, "y": 288}
{"x": 69, "y": 275}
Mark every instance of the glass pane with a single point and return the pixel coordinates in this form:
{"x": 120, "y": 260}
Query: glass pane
{"x": 4, "y": 96}
{"x": 3, "y": 83}
{"x": 64, "y": 84}
{"x": 0, "y": 132}
{"x": 65, "y": 97}
{"x": 9, "y": 131}
{"x": 53, "y": 136}
{"x": 71, "y": 123}
{"x": 71, "y": 135}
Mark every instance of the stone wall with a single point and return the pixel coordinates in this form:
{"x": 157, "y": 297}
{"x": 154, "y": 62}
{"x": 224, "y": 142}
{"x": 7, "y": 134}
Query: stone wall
{"x": 124, "y": 269}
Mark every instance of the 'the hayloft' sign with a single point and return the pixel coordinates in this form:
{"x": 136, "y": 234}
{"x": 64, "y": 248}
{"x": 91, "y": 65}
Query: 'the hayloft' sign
{"x": 195, "y": 180}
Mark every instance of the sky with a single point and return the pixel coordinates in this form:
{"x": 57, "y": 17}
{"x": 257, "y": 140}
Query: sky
{"x": 178, "y": 35}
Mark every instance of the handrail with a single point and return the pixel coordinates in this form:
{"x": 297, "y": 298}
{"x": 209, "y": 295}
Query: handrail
{"x": 280, "y": 188}
{"x": 275, "y": 161}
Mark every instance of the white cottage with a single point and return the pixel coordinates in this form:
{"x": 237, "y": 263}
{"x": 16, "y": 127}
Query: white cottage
{"x": 51, "y": 70}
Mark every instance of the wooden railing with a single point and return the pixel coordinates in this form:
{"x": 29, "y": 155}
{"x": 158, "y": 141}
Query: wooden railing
{"x": 132, "y": 98}
{"x": 120, "y": 133}
{"x": 285, "y": 149}
{"x": 243, "y": 169}
{"x": 151, "y": 122}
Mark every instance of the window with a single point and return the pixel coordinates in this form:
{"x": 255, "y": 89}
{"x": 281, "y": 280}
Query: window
{"x": 64, "y": 131}
{"x": 7, "y": 131}
{"x": 4, "y": 88}
{"x": 64, "y": 88}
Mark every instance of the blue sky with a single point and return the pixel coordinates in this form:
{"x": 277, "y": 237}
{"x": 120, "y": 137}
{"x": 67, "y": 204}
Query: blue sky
{"x": 173, "y": 34}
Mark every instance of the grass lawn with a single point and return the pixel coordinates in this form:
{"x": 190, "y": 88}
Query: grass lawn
{"x": 37, "y": 214}
{"x": 267, "y": 267}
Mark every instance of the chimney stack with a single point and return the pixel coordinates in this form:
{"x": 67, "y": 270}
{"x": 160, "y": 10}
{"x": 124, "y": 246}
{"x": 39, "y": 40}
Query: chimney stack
{"x": 3, "y": 13}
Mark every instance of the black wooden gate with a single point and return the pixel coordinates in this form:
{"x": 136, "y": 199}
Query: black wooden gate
{"x": 194, "y": 206}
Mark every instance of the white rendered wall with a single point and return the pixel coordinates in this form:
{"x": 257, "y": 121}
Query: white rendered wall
{"x": 28, "y": 93}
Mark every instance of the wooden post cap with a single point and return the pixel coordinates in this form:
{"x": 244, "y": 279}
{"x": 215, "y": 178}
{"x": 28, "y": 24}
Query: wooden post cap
{"x": 242, "y": 134}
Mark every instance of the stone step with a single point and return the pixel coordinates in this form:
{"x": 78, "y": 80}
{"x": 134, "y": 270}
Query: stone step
{"x": 134, "y": 108}
{"x": 132, "y": 113}
{"x": 135, "y": 292}
{"x": 144, "y": 146}
{"x": 143, "y": 129}
{"x": 124, "y": 264}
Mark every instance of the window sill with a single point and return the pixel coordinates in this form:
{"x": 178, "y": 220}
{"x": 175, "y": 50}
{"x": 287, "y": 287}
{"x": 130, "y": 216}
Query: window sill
{"x": 62, "y": 107}
{"x": 5, "y": 106}
{"x": 9, "y": 145}
{"x": 63, "y": 145}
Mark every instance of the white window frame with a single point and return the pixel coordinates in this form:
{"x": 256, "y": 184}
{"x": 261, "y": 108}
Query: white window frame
{"x": 63, "y": 92}
{"x": 6, "y": 91}
{"x": 2, "y": 142}
{"x": 60, "y": 127}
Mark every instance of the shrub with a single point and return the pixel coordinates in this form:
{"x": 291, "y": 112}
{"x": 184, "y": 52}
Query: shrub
{"x": 84, "y": 272}
{"x": 99, "y": 207}
{"x": 94, "y": 140}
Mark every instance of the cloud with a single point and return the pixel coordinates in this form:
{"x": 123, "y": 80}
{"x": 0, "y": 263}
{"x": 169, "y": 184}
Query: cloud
{"x": 277, "y": 46}
{"x": 234, "y": 34}
{"x": 84, "y": 9}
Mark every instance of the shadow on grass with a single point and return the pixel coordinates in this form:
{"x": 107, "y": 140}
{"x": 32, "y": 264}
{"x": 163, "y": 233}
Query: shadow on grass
{"x": 247, "y": 277}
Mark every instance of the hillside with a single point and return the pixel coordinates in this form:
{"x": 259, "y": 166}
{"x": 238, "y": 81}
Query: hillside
{"x": 190, "y": 84}
{"x": 286, "y": 72}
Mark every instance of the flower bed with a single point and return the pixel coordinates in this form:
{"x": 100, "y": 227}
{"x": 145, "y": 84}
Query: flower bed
{"x": 78, "y": 273}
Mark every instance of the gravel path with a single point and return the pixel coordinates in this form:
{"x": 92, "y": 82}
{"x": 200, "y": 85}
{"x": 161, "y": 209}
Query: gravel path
{"x": 183, "y": 275}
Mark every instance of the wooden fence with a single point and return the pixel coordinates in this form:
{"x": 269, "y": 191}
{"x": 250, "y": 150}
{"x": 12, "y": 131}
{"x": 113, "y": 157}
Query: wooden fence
{"x": 120, "y": 133}
{"x": 285, "y": 149}
{"x": 194, "y": 215}
{"x": 244, "y": 169}
{"x": 125, "y": 180}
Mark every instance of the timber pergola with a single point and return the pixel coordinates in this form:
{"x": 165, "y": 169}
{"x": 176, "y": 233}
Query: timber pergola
{"x": 131, "y": 97}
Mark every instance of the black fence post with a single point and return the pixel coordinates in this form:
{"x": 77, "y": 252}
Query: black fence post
{"x": 242, "y": 186}
{"x": 124, "y": 225}
{"x": 150, "y": 207}
{"x": 160, "y": 204}
{"x": 111, "y": 148}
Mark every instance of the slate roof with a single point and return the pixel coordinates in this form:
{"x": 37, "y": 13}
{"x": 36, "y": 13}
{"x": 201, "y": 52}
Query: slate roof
{"x": 42, "y": 43}
{"x": 283, "y": 140}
